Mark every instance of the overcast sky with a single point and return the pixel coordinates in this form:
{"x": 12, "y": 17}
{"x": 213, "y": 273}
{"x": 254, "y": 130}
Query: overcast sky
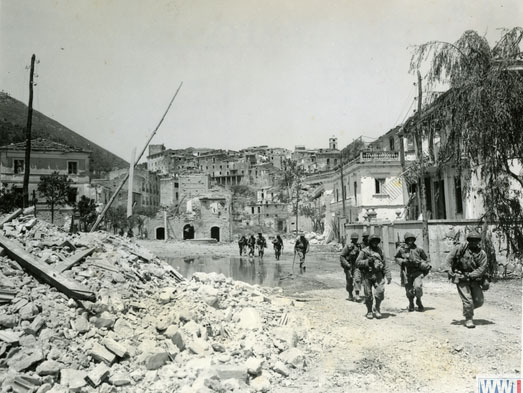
{"x": 273, "y": 72}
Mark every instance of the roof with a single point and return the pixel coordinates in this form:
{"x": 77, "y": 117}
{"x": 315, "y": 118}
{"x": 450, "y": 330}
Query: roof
{"x": 46, "y": 145}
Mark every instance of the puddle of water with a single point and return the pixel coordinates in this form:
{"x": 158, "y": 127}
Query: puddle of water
{"x": 265, "y": 272}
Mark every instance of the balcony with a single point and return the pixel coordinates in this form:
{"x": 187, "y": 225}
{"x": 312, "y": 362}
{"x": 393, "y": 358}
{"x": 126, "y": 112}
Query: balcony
{"x": 372, "y": 155}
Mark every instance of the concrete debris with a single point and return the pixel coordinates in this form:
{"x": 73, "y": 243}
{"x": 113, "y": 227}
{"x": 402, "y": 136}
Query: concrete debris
{"x": 146, "y": 329}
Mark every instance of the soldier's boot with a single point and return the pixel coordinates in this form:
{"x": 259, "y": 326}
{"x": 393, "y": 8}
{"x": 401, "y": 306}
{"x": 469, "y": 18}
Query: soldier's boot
{"x": 420, "y": 305}
{"x": 369, "y": 311}
{"x": 357, "y": 296}
{"x": 469, "y": 323}
{"x": 377, "y": 312}
{"x": 411, "y": 304}
{"x": 350, "y": 298}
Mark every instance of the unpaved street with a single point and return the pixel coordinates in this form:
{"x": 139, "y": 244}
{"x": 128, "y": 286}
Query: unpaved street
{"x": 403, "y": 352}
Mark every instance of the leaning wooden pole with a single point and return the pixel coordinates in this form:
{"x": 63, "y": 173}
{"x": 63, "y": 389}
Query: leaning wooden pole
{"x": 27, "y": 161}
{"x": 113, "y": 197}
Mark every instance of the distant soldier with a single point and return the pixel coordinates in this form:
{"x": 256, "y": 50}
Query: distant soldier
{"x": 467, "y": 267}
{"x": 348, "y": 257}
{"x": 278, "y": 247}
{"x": 251, "y": 243}
{"x": 414, "y": 266}
{"x": 374, "y": 270}
{"x": 242, "y": 243}
{"x": 261, "y": 244}
{"x": 364, "y": 239}
{"x": 301, "y": 247}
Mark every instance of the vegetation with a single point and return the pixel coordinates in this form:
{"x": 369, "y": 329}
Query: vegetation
{"x": 56, "y": 190}
{"x": 10, "y": 200}
{"x": 87, "y": 211}
{"x": 480, "y": 118}
{"x": 316, "y": 215}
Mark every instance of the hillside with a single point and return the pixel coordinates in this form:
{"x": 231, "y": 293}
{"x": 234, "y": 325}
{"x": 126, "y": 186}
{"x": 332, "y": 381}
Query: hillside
{"x": 13, "y": 119}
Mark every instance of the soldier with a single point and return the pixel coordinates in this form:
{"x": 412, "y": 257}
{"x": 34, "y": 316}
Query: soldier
{"x": 466, "y": 267}
{"x": 364, "y": 239}
{"x": 261, "y": 244}
{"x": 251, "y": 243}
{"x": 374, "y": 270}
{"x": 242, "y": 243}
{"x": 301, "y": 247}
{"x": 278, "y": 246}
{"x": 348, "y": 257}
{"x": 414, "y": 267}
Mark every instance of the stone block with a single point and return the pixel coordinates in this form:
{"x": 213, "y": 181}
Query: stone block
{"x": 249, "y": 318}
{"x": 254, "y": 365}
{"x": 7, "y": 320}
{"x": 156, "y": 360}
{"x": 281, "y": 369}
{"x": 80, "y": 324}
{"x": 293, "y": 357}
{"x": 49, "y": 367}
{"x": 261, "y": 384}
{"x": 72, "y": 379}
{"x": 227, "y": 371}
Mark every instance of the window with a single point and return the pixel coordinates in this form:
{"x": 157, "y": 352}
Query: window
{"x": 176, "y": 185}
{"x": 252, "y": 210}
{"x": 19, "y": 166}
{"x": 459, "y": 195}
{"x": 176, "y": 196}
{"x": 71, "y": 197}
{"x": 379, "y": 185}
{"x": 391, "y": 143}
{"x": 259, "y": 210}
{"x": 72, "y": 167}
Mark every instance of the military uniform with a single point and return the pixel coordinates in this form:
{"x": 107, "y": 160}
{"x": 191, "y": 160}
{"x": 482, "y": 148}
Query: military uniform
{"x": 251, "y": 243}
{"x": 414, "y": 266}
{"x": 374, "y": 270}
{"x": 467, "y": 269}
{"x": 301, "y": 248}
{"x": 348, "y": 257}
{"x": 261, "y": 244}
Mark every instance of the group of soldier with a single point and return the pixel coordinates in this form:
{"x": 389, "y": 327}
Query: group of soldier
{"x": 248, "y": 246}
{"x": 364, "y": 264}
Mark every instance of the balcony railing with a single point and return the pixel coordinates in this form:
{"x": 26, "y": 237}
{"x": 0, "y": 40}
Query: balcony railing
{"x": 371, "y": 155}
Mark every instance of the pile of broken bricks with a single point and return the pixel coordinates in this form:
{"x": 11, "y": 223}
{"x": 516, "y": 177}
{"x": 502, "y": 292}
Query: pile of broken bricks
{"x": 111, "y": 317}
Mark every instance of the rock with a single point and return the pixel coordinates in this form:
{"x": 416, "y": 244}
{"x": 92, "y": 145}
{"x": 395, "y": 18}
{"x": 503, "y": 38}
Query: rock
{"x": 249, "y": 318}
{"x": 198, "y": 346}
{"x": 261, "y": 384}
{"x": 231, "y": 371}
{"x": 254, "y": 365}
{"x": 80, "y": 324}
{"x": 120, "y": 378}
{"x": 49, "y": 367}
{"x": 178, "y": 340}
{"x": 28, "y": 312}
{"x": 122, "y": 328}
{"x": 184, "y": 316}
{"x": 156, "y": 360}
{"x": 192, "y": 328}
{"x": 118, "y": 278}
{"x": 7, "y": 321}
{"x": 281, "y": 369}
{"x": 35, "y": 326}
{"x": 293, "y": 357}
{"x": 164, "y": 298}
{"x": 44, "y": 388}
{"x": 286, "y": 335}
{"x": 209, "y": 295}
{"x": 217, "y": 347}
{"x": 73, "y": 379}
{"x": 105, "y": 320}
{"x": 161, "y": 324}
{"x": 23, "y": 360}
{"x": 170, "y": 331}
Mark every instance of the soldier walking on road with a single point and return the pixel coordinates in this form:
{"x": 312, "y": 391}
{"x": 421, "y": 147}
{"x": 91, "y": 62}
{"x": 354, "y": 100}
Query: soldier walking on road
{"x": 375, "y": 270}
{"x": 251, "y": 243}
{"x": 261, "y": 245}
{"x": 414, "y": 266}
{"x": 242, "y": 243}
{"x": 348, "y": 257}
{"x": 301, "y": 248}
{"x": 467, "y": 267}
{"x": 364, "y": 239}
{"x": 278, "y": 246}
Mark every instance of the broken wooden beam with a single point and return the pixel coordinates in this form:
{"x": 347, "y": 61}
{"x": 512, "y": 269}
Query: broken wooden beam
{"x": 44, "y": 272}
{"x": 10, "y": 217}
{"x": 73, "y": 260}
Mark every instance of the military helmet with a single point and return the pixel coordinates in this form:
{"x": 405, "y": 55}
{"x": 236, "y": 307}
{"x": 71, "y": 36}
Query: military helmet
{"x": 375, "y": 237}
{"x": 365, "y": 234}
{"x": 473, "y": 235}
{"x": 409, "y": 235}
{"x": 354, "y": 235}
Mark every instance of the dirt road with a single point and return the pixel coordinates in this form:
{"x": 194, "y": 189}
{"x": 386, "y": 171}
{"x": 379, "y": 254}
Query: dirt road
{"x": 405, "y": 351}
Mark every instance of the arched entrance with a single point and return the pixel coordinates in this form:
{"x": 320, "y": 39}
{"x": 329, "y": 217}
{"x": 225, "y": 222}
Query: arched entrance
{"x": 160, "y": 233}
{"x": 188, "y": 232}
{"x": 215, "y": 233}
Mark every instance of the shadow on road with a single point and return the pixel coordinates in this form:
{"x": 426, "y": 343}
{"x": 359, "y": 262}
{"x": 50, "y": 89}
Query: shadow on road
{"x": 477, "y": 322}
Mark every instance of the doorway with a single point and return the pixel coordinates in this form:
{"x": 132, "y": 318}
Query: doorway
{"x": 188, "y": 232}
{"x": 160, "y": 233}
{"x": 215, "y": 233}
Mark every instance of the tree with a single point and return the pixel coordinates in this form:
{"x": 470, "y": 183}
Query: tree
{"x": 87, "y": 212}
{"x": 482, "y": 116}
{"x": 56, "y": 190}
{"x": 117, "y": 216}
{"x": 316, "y": 215}
{"x": 292, "y": 176}
{"x": 10, "y": 200}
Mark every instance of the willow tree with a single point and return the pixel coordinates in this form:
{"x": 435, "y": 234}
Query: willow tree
{"x": 482, "y": 114}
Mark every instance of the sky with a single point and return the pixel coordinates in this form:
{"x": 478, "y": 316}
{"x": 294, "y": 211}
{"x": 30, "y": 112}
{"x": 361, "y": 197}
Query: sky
{"x": 276, "y": 72}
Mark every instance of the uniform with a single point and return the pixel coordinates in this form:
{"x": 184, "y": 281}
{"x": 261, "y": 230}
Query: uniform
{"x": 261, "y": 244}
{"x": 301, "y": 248}
{"x": 278, "y": 247}
{"x": 467, "y": 267}
{"x": 414, "y": 266}
{"x": 251, "y": 243}
{"x": 374, "y": 270}
{"x": 242, "y": 243}
{"x": 348, "y": 257}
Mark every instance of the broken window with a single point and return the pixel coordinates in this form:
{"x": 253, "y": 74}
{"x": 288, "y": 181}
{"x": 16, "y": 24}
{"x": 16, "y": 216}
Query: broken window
{"x": 72, "y": 167}
{"x": 379, "y": 185}
{"x": 19, "y": 166}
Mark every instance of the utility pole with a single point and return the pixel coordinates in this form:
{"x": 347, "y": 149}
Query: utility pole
{"x": 344, "y": 210}
{"x": 27, "y": 164}
{"x": 297, "y": 205}
{"x": 423, "y": 199}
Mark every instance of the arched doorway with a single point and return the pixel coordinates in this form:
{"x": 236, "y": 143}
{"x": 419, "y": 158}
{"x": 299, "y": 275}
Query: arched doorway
{"x": 160, "y": 233}
{"x": 215, "y": 233}
{"x": 188, "y": 232}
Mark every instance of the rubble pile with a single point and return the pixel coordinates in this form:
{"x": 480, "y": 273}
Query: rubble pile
{"x": 148, "y": 329}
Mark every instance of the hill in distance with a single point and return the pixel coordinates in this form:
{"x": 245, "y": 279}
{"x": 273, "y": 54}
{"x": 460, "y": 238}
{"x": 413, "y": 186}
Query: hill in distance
{"x": 13, "y": 120}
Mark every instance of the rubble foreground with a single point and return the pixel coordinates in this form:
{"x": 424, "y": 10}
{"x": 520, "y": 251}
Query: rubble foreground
{"x": 146, "y": 328}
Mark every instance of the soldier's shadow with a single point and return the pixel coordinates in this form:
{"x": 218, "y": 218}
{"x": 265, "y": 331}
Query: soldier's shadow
{"x": 477, "y": 322}
{"x": 385, "y": 315}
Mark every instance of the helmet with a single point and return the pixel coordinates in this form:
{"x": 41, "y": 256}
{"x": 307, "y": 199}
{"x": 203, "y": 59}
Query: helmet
{"x": 473, "y": 235}
{"x": 409, "y": 235}
{"x": 374, "y": 237}
{"x": 365, "y": 234}
{"x": 354, "y": 235}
